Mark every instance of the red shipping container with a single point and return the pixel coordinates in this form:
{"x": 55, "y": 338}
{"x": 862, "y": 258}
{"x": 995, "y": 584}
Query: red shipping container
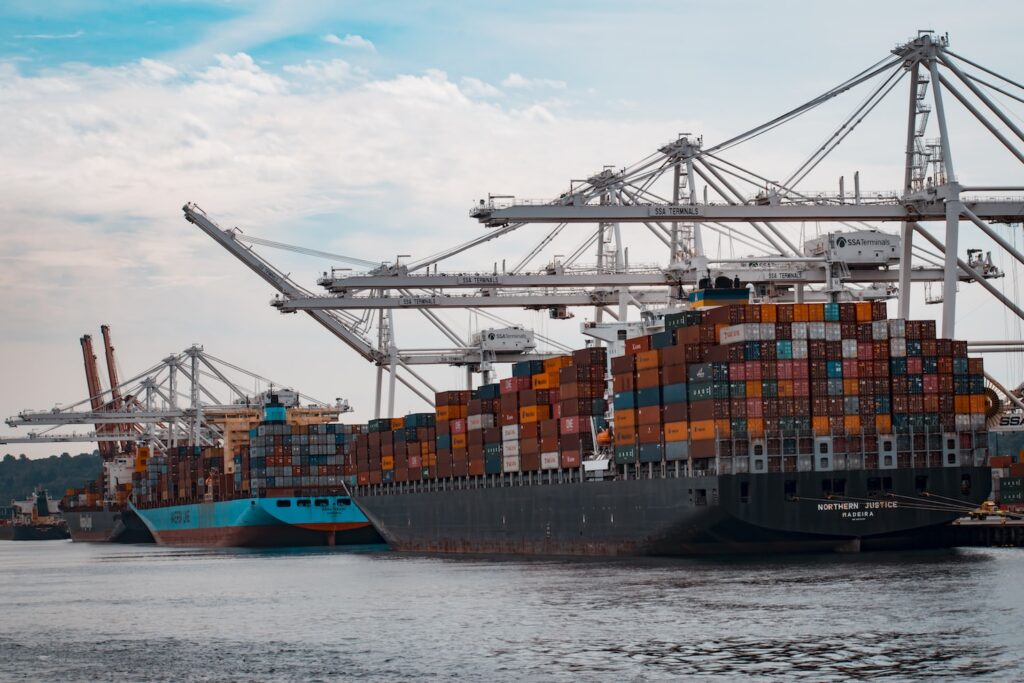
{"x": 637, "y": 345}
{"x": 753, "y": 371}
{"x": 574, "y": 425}
{"x": 570, "y": 459}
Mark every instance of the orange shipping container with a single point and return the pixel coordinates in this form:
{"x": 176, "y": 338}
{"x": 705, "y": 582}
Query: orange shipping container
{"x": 387, "y": 462}
{"x": 625, "y": 418}
{"x": 557, "y": 363}
{"x": 977, "y": 403}
{"x": 816, "y": 312}
{"x": 625, "y": 437}
{"x": 883, "y": 424}
{"x": 528, "y": 414}
{"x": 755, "y": 426}
{"x": 754, "y": 388}
{"x": 820, "y": 425}
{"x": 962, "y": 404}
{"x": 397, "y": 423}
{"x": 851, "y": 387}
{"x": 768, "y": 313}
{"x": 851, "y": 423}
{"x": 459, "y": 440}
{"x": 541, "y": 381}
{"x": 647, "y": 360}
{"x": 724, "y": 428}
{"x": 676, "y": 431}
{"x": 800, "y": 313}
{"x": 863, "y": 311}
{"x": 702, "y": 429}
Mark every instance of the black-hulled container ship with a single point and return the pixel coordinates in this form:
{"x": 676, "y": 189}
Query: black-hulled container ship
{"x": 745, "y": 428}
{"x": 37, "y": 518}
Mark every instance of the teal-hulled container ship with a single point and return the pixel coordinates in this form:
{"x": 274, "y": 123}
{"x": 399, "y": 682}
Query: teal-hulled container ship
{"x": 283, "y": 485}
{"x": 261, "y": 522}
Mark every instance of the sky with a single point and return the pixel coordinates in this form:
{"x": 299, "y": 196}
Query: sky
{"x": 369, "y": 129}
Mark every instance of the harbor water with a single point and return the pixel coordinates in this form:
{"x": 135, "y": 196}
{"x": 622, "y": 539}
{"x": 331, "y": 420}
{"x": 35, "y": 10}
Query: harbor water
{"x": 96, "y": 612}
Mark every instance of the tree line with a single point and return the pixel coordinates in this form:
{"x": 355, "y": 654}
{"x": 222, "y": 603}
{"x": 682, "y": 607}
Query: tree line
{"x": 20, "y": 475}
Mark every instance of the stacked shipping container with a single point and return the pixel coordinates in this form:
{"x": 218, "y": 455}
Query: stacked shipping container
{"x": 830, "y": 370}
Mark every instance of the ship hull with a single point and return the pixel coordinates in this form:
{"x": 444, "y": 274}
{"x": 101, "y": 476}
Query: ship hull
{"x": 107, "y": 526}
{"x": 681, "y": 516}
{"x": 40, "y": 532}
{"x": 260, "y": 523}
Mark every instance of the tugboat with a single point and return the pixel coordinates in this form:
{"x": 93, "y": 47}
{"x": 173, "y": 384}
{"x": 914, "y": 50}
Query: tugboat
{"x": 38, "y": 519}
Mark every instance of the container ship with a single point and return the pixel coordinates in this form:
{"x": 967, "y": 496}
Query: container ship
{"x": 99, "y": 512}
{"x": 37, "y": 518}
{"x": 282, "y": 487}
{"x": 735, "y": 429}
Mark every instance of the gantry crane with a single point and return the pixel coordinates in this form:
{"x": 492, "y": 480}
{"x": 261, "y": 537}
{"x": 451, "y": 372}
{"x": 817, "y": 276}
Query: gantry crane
{"x": 661, "y": 193}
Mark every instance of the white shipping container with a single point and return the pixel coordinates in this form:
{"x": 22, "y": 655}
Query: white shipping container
{"x": 510, "y": 432}
{"x": 477, "y": 422}
{"x": 849, "y": 348}
{"x": 833, "y": 332}
{"x": 767, "y": 332}
{"x": 880, "y": 330}
{"x": 732, "y": 334}
{"x": 898, "y": 327}
{"x": 799, "y": 348}
{"x": 549, "y": 461}
{"x": 963, "y": 422}
{"x": 799, "y": 330}
{"x": 510, "y": 463}
{"x": 510, "y": 448}
{"x": 898, "y": 348}
{"x": 816, "y": 330}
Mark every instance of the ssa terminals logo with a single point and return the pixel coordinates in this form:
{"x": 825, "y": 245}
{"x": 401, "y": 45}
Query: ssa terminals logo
{"x": 841, "y": 242}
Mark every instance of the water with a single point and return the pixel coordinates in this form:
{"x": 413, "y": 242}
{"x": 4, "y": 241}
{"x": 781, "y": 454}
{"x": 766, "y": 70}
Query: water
{"x": 89, "y": 612}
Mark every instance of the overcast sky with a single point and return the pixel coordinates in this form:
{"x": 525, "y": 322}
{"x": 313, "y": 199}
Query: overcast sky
{"x": 368, "y": 129}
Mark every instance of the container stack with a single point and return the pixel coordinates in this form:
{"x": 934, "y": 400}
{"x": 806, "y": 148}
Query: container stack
{"x": 482, "y": 431}
{"x": 755, "y": 371}
{"x": 452, "y": 438}
{"x": 284, "y": 457}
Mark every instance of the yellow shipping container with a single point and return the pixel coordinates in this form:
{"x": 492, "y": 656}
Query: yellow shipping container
{"x": 397, "y": 423}
{"x": 541, "y": 381}
{"x": 676, "y": 431}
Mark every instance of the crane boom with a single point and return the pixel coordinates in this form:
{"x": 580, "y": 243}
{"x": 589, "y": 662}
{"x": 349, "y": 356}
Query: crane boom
{"x": 92, "y": 381}
{"x": 116, "y": 400}
{"x": 280, "y": 282}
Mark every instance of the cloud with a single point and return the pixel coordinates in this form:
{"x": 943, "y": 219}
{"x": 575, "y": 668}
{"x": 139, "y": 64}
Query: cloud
{"x": 350, "y": 40}
{"x": 98, "y": 161}
{"x": 53, "y": 36}
{"x": 474, "y": 87}
{"x": 336, "y": 71}
{"x": 516, "y": 80}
